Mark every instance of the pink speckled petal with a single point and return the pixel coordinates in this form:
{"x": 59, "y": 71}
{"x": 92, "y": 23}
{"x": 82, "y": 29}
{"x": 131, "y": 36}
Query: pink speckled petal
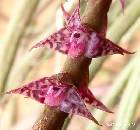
{"x": 58, "y": 41}
{"x": 111, "y": 48}
{"x": 65, "y": 14}
{"x": 78, "y": 39}
{"x": 89, "y": 98}
{"x": 74, "y": 20}
{"x": 99, "y": 46}
{"x": 45, "y": 90}
{"x": 73, "y": 104}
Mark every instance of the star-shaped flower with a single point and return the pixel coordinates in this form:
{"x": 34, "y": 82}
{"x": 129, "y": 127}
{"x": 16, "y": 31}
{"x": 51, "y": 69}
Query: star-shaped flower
{"x": 78, "y": 39}
{"x": 66, "y": 97}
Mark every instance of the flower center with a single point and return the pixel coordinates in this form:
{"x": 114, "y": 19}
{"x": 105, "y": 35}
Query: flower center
{"x": 76, "y": 35}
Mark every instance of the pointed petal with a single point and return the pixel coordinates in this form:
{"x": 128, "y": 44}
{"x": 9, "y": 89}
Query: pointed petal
{"x": 45, "y": 90}
{"x": 75, "y": 21}
{"x": 65, "y": 14}
{"x": 99, "y": 46}
{"x": 88, "y": 97}
{"x": 122, "y": 4}
{"x": 73, "y": 104}
{"x": 110, "y": 48}
{"x": 58, "y": 41}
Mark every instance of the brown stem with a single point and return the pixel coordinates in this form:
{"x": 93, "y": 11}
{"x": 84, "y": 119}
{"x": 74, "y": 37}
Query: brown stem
{"x": 95, "y": 12}
{"x": 78, "y": 69}
{"x": 54, "y": 117}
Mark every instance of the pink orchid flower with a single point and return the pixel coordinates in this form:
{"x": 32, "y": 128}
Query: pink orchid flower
{"x": 78, "y": 39}
{"x": 66, "y": 97}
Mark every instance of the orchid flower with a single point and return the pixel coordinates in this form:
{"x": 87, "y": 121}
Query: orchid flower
{"x": 77, "y": 39}
{"x": 66, "y": 97}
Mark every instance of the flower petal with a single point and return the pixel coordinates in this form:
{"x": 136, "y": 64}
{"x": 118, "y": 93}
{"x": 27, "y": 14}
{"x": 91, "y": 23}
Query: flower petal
{"x": 65, "y": 14}
{"x": 74, "y": 20}
{"x": 57, "y": 41}
{"x": 45, "y": 90}
{"x": 99, "y": 46}
{"x": 73, "y": 104}
{"x": 112, "y": 48}
{"x": 88, "y": 97}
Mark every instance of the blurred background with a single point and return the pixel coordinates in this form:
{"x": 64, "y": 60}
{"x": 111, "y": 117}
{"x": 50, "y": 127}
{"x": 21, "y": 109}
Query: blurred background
{"x": 115, "y": 80}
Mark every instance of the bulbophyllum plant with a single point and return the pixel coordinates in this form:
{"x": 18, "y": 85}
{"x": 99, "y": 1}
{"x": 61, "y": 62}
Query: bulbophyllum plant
{"x": 75, "y": 39}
